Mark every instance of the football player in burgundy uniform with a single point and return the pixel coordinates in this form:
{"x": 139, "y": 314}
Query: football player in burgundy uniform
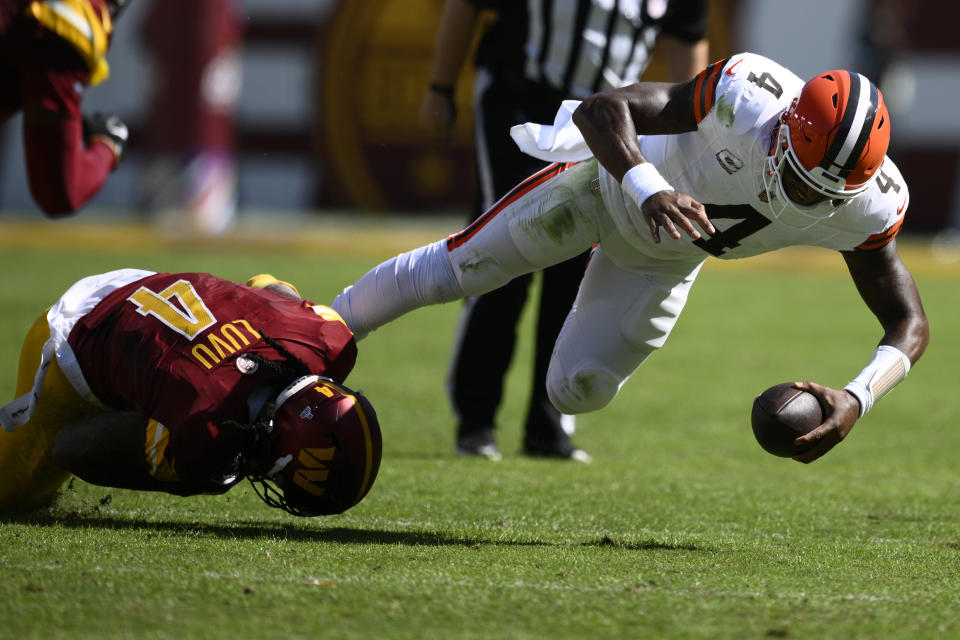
{"x": 186, "y": 383}
{"x": 743, "y": 159}
{"x": 49, "y": 52}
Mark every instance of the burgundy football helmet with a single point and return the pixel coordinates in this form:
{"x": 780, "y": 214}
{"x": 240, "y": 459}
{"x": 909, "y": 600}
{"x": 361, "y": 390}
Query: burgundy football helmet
{"x": 324, "y": 450}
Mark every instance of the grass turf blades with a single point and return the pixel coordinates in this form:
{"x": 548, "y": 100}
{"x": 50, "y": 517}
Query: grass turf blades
{"x": 682, "y": 528}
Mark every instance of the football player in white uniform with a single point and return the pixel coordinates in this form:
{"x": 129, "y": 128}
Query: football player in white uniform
{"x": 743, "y": 159}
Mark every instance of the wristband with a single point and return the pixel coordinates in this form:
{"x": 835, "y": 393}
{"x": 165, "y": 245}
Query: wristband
{"x": 888, "y": 367}
{"x": 642, "y": 181}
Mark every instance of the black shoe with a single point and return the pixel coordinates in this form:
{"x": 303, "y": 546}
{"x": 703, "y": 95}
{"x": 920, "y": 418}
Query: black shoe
{"x": 558, "y": 446}
{"x": 478, "y": 443}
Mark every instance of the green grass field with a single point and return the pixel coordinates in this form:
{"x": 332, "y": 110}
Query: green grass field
{"x": 681, "y": 528}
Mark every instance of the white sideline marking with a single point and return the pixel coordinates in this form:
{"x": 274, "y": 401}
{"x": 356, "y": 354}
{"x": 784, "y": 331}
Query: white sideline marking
{"x": 334, "y": 580}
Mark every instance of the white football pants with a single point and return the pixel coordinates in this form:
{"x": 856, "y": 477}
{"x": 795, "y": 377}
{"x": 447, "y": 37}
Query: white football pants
{"x": 624, "y": 310}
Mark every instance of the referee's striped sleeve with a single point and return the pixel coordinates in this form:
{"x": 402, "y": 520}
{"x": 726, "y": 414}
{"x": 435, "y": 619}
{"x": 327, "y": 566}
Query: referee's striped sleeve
{"x": 705, "y": 89}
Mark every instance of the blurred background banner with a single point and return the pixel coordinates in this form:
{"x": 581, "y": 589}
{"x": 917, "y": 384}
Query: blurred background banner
{"x": 188, "y": 133}
{"x": 312, "y": 104}
{"x": 368, "y": 98}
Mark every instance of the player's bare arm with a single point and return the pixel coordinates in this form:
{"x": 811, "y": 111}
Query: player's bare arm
{"x": 611, "y": 120}
{"x": 889, "y": 291}
{"x": 438, "y": 110}
{"x": 610, "y": 123}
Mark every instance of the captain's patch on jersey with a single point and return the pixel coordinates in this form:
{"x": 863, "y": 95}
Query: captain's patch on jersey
{"x": 730, "y": 163}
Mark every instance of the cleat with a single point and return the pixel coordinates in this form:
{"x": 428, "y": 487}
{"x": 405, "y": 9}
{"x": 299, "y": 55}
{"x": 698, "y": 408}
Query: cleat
{"x": 479, "y": 444}
{"x": 560, "y": 448}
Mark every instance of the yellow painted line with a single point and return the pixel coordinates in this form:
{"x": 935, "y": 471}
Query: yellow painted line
{"x": 381, "y": 237}
{"x": 919, "y": 256}
{"x": 367, "y": 238}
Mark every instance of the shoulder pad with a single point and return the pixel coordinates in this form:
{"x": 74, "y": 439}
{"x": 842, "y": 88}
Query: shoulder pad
{"x": 742, "y": 91}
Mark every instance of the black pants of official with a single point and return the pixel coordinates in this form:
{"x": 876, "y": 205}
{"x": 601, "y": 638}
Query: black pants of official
{"x": 488, "y": 330}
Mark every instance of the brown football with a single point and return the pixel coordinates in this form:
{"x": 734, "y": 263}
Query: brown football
{"x": 781, "y": 414}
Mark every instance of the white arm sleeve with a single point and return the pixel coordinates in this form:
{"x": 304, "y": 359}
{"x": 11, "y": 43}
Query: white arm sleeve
{"x": 888, "y": 367}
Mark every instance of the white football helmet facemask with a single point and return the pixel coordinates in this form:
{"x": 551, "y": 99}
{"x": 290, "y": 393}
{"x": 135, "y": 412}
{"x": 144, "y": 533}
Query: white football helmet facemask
{"x": 782, "y": 208}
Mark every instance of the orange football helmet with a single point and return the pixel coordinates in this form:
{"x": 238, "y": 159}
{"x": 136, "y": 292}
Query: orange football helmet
{"x": 323, "y": 452}
{"x": 833, "y": 137}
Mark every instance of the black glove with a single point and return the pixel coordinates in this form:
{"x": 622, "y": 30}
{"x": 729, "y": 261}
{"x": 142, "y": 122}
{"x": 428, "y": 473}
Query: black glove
{"x": 107, "y": 127}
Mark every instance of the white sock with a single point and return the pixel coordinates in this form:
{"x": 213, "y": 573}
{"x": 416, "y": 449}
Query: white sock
{"x": 409, "y": 281}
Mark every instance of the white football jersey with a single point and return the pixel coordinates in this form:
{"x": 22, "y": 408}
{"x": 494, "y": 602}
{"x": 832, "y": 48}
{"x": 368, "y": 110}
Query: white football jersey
{"x": 737, "y": 103}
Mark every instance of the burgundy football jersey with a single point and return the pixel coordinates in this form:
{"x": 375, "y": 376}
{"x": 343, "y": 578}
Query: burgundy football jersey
{"x": 171, "y": 346}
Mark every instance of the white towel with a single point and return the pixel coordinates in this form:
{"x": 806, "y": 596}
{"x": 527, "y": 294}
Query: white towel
{"x": 559, "y": 142}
